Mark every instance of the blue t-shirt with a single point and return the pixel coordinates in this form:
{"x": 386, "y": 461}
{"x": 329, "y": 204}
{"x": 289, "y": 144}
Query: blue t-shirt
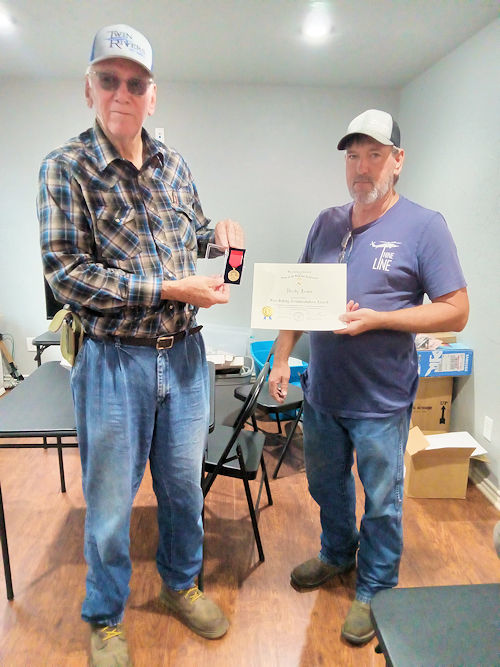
{"x": 393, "y": 261}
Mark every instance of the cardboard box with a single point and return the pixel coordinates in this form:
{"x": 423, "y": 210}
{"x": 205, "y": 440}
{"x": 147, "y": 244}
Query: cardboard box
{"x": 437, "y": 466}
{"x": 447, "y": 360}
{"x": 445, "y": 336}
{"x": 432, "y": 406}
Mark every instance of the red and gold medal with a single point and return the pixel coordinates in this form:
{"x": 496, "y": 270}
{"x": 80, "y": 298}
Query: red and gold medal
{"x": 235, "y": 261}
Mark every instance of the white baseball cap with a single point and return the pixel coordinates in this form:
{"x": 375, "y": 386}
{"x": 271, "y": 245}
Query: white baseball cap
{"x": 378, "y": 125}
{"x": 122, "y": 41}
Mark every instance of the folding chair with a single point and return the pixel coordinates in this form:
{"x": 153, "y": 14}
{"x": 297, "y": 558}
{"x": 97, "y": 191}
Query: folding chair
{"x": 294, "y": 401}
{"x": 235, "y": 452}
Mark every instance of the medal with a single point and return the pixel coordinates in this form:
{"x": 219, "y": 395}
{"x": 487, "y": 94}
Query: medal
{"x": 234, "y": 265}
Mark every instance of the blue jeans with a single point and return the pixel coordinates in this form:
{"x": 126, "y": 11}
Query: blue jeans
{"x": 329, "y": 445}
{"x": 134, "y": 403}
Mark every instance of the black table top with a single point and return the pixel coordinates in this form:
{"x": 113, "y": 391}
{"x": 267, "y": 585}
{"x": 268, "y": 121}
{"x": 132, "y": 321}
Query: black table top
{"x": 40, "y": 405}
{"x": 439, "y": 625}
{"x": 48, "y": 338}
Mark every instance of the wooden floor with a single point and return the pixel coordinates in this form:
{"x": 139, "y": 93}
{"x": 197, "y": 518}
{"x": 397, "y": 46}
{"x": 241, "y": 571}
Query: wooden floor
{"x": 272, "y": 625}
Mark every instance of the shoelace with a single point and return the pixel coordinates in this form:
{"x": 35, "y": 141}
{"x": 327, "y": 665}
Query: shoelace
{"x": 110, "y": 631}
{"x": 192, "y": 594}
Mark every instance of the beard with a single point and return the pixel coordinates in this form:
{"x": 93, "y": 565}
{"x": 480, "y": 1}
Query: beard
{"x": 378, "y": 191}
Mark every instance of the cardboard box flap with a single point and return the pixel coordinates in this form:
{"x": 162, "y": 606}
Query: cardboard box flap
{"x": 435, "y": 457}
{"x": 458, "y": 439}
{"x": 416, "y": 441}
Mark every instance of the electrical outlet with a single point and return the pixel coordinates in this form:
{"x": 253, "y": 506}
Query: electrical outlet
{"x": 488, "y": 428}
{"x": 29, "y": 344}
{"x": 160, "y": 134}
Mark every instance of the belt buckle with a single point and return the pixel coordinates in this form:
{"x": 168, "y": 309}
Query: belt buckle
{"x": 165, "y": 342}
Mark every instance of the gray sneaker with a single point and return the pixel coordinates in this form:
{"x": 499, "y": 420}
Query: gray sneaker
{"x": 192, "y": 608}
{"x": 315, "y": 572}
{"x": 108, "y": 647}
{"x": 358, "y": 627}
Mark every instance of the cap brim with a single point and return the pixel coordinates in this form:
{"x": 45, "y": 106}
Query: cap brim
{"x": 132, "y": 60}
{"x": 373, "y": 135}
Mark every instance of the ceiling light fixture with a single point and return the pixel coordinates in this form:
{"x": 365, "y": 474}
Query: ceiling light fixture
{"x": 6, "y": 23}
{"x": 317, "y": 25}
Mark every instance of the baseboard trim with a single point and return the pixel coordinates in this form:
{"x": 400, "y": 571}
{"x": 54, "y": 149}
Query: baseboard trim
{"x": 486, "y": 487}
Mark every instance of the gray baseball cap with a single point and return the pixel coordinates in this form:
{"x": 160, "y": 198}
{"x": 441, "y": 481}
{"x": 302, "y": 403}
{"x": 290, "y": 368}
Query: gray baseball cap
{"x": 378, "y": 125}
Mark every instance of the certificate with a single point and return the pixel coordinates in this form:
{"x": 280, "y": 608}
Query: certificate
{"x": 299, "y": 297}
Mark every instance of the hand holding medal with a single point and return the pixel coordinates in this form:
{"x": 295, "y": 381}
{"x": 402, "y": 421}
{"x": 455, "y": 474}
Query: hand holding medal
{"x": 230, "y": 236}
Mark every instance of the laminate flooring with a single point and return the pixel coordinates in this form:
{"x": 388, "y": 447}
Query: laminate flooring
{"x": 272, "y": 625}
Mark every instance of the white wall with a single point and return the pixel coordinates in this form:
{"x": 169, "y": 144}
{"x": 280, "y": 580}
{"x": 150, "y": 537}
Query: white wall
{"x": 266, "y": 155}
{"x": 263, "y": 155}
{"x": 450, "y": 124}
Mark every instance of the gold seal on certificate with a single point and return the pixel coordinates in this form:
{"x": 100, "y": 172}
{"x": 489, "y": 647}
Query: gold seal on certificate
{"x": 267, "y": 311}
{"x": 233, "y": 275}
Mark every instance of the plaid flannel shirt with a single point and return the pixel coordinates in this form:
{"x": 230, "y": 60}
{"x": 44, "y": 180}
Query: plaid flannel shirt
{"x": 110, "y": 234}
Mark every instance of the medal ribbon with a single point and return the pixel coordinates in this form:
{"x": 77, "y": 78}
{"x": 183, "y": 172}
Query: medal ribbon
{"x": 235, "y": 258}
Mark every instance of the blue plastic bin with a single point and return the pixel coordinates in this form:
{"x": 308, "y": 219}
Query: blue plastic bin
{"x": 260, "y": 349}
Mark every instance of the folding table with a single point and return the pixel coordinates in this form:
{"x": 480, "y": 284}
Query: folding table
{"x": 43, "y": 341}
{"x": 39, "y": 406}
{"x": 438, "y": 625}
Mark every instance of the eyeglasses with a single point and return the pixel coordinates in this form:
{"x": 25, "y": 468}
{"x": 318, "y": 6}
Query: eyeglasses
{"x": 345, "y": 248}
{"x": 136, "y": 85}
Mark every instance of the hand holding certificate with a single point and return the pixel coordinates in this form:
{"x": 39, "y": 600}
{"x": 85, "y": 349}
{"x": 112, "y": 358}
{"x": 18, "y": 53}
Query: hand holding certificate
{"x": 299, "y": 297}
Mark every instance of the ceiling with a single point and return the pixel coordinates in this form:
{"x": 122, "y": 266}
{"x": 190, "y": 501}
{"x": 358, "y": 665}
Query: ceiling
{"x": 373, "y": 43}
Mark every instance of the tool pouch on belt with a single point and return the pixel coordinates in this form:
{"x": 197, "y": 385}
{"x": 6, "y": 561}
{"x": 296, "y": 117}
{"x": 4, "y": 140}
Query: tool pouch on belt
{"x": 71, "y": 333}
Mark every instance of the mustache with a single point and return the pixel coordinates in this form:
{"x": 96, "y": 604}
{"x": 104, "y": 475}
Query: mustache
{"x": 363, "y": 180}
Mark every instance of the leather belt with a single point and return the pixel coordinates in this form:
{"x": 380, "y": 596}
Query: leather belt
{"x": 165, "y": 342}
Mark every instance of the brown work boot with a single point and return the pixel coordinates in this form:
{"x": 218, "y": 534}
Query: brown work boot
{"x": 108, "y": 647}
{"x": 315, "y": 572}
{"x": 196, "y": 611}
{"x": 358, "y": 627}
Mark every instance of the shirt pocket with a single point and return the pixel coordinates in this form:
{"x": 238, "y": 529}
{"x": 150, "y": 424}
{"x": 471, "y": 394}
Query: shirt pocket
{"x": 116, "y": 234}
{"x": 184, "y": 217}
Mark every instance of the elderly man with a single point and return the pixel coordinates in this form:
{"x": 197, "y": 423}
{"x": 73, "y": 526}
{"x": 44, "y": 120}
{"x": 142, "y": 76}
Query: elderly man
{"x": 361, "y": 380}
{"x": 121, "y": 227}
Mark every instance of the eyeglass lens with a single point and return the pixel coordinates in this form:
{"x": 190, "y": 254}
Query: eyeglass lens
{"x": 135, "y": 86}
{"x": 345, "y": 247}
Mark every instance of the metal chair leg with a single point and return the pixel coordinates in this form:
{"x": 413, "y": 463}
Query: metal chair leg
{"x": 278, "y": 422}
{"x": 5, "y": 552}
{"x": 250, "y": 505}
{"x": 61, "y": 465}
{"x": 288, "y": 440}
{"x": 266, "y": 481}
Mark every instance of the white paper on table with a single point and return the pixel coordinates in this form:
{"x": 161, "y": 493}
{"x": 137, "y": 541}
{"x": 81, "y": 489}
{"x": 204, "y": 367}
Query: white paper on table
{"x": 299, "y": 297}
{"x": 455, "y": 439}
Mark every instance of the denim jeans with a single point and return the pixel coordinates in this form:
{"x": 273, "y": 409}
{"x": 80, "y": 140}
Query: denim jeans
{"x": 133, "y": 403}
{"x": 329, "y": 445}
